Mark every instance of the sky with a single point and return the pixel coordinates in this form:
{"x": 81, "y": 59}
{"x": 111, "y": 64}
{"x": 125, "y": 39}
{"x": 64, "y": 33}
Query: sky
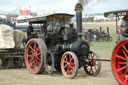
{"x": 65, "y": 6}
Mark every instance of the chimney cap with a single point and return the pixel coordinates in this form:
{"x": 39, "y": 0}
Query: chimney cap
{"x": 78, "y": 7}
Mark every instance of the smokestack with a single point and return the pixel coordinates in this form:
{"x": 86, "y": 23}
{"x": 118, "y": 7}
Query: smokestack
{"x": 79, "y": 9}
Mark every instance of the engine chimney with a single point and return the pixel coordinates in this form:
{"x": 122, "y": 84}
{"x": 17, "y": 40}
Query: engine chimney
{"x": 80, "y": 46}
{"x": 79, "y": 9}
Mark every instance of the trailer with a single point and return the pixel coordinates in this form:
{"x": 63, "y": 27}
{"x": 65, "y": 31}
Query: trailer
{"x": 12, "y": 58}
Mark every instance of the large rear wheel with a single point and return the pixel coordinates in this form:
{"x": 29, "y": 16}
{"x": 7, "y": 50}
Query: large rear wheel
{"x": 34, "y": 55}
{"x": 120, "y": 62}
{"x": 69, "y": 64}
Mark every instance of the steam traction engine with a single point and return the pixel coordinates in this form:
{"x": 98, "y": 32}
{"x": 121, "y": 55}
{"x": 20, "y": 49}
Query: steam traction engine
{"x": 61, "y": 48}
{"x": 119, "y": 60}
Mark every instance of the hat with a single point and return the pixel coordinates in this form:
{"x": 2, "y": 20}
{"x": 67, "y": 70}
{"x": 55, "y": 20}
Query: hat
{"x": 30, "y": 22}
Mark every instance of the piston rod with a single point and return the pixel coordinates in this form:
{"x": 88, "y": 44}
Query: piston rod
{"x": 101, "y": 59}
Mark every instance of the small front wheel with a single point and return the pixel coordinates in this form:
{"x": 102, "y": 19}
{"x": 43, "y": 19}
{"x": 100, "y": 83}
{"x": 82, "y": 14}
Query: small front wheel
{"x": 69, "y": 64}
{"x": 93, "y": 67}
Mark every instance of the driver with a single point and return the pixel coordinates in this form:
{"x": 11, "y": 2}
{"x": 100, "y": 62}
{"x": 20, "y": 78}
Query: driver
{"x": 123, "y": 28}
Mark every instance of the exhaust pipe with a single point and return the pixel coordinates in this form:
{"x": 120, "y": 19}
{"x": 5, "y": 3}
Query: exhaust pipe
{"x": 79, "y": 9}
{"x": 80, "y": 47}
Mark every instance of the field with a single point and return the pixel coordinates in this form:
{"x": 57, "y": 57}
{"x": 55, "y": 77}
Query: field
{"x": 104, "y": 49}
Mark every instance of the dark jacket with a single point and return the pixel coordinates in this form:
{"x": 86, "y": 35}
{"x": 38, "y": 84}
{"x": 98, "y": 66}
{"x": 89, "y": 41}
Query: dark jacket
{"x": 29, "y": 30}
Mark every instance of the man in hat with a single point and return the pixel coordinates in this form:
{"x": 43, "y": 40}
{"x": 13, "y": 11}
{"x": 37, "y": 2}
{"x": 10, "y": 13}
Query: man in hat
{"x": 123, "y": 28}
{"x": 29, "y": 35}
{"x": 30, "y": 31}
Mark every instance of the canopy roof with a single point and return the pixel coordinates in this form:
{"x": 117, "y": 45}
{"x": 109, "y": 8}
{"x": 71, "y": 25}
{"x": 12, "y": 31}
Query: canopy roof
{"x": 58, "y": 17}
{"x": 116, "y": 13}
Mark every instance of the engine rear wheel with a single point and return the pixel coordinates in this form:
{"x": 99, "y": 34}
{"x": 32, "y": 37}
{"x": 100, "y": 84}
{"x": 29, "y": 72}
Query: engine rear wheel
{"x": 119, "y": 62}
{"x": 69, "y": 64}
{"x": 34, "y": 55}
{"x": 93, "y": 67}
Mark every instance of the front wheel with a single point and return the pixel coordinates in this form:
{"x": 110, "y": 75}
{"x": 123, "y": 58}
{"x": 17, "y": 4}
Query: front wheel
{"x": 69, "y": 64}
{"x": 93, "y": 67}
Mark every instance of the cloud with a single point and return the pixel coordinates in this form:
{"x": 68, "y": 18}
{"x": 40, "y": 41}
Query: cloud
{"x": 44, "y": 6}
{"x": 39, "y": 6}
{"x": 100, "y": 6}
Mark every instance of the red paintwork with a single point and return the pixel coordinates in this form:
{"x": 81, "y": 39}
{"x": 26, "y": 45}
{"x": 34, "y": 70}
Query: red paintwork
{"x": 119, "y": 58}
{"x": 33, "y": 56}
{"x": 68, "y": 65}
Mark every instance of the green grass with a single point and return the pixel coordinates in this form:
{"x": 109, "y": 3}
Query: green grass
{"x": 104, "y": 49}
{"x": 104, "y": 45}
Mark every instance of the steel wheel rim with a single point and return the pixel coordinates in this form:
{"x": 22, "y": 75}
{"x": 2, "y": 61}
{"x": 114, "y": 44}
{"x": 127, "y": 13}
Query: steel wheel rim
{"x": 33, "y": 56}
{"x": 120, "y": 62}
{"x": 68, "y": 65}
{"x": 92, "y": 68}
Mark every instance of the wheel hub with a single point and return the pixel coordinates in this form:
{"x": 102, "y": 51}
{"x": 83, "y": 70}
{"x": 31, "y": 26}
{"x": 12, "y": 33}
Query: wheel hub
{"x": 93, "y": 63}
{"x": 34, "y": 55}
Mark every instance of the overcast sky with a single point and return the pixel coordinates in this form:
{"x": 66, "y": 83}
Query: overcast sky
{"x": 43, "y": 6}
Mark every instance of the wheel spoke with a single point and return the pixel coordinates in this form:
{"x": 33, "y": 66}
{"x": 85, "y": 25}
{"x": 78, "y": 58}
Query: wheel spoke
{"x": 35, "y": 46}
{"x": 125, "y": 48}
{"x": 32, "y": 52}
{"x": 31, "y": 60}
{"x": 126, "y": 72}
{"x": 120, "y": 69}
{"x": 121, "y": 57}
{"x": 38, "y": 58}
{"x": 34, "y": 67}
{"x": 71, "y": 67}
{"x": 72, "y": 64}
{"x": 38, "y": 54}
{"x": 29, "y": 55}
{"x": 68, "y": 70}
{"x": 90, "y": 69}
{"x": 66, "y": 62}
{"x": 122, "y": 63}
{"x": 125, "y": 54}
{"x": 66, "y": 59}
{"x": 31, "y": 48}
{"x": 32, "y": 63}
{"x": 70, "y": 58}
{"x": 65, "y": 67}
{"x": 37, "y": 63}
{"x": 37, "y": 49}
